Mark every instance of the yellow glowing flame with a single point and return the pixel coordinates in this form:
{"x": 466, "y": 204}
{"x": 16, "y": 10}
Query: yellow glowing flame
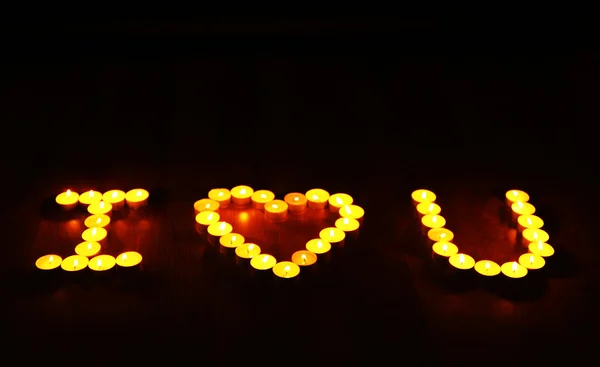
{"x": 275, "y": 206}
{"x": 515, "y": 266}
{"x": 91, "y": 193}
{"x": 315, "y": 197}
{"x": 233, "y": 238}
{"x": 222, "y": 226}
{"x": 296, "y": 198}
{"x": 101, "y": 205}
{"x": 319, "y": 244}
{"x": 338, "y": 200}
{"x": 75, "y": 263}
{"x": 99, "y": 263}
{"x": 461, "y": 259}
{"x": 286, "y": 269}
{"x": 89, "y": 246}
{"x": 442, "y": 235}
{"x": 430, "y": 208}
{"x": 444, "y": 247}
{"x": 434, "y": 218}
{"x": 487, "y": 265}
{"x": 263, "y": 196}
{"x": 540, "y": 245}
{"x": 515, "y": 193}
{"x": 243, "y": 192}
{"x": 207, "y": 206}
{"x": 348, "y": 210}
{"x": 531, "y": 259}
{"x": 529, "y": 221}
{"x": 535, "y": 235}
{"x": 250, "y": 247}
{"x": 94, "y": 230}
{"x": 331, "y": 233}
{"x": 68, "y": 192}
{"x": 98, "y": 220}
{"x": 265, "y": 259}
{"x": 345, "y": 220}
{"x": 51, "y": 259}
{"x": 520, "y": 204}
{"x": 209, "y": 216}
{"x": 303, "y": 259}
{"x": 138, "y": 193}
{"x": 220, "y": 193}
{"x": 423, "y": 195}
{"x": 114, "y": 194}
{"x": 124, "y": 257}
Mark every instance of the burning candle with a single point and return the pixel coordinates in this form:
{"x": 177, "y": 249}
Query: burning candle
{"x": 462, "y": 261}
{"x": 276, "y": 210}
{"x": 115, "y": 197}
{"x": 442, "y": 251}
{"x": 232, "y": 240}
{"x": 102, "y": 263}
{"x": 532, "y": 261}
{"x": 48, "y": 262}
{"x": 137, "y": 198}
{"x": 242, "y": 195}
{"x": 221, "y": 196}
{"x": 318, "y": 246}
{"x": 74, "y": 263}
{"x": 286, "y": 269}
{"x": 88, "y": 248}
{"x": 261, "y": 197}
{"x": 513, "y": 196}
{"x": 68, "y": 199}
{"x": 534, "y": 235}
{"x": 247, "y": 250}
{"x": 205, "y": 219}
{"x": 206, "y": 205}
{"x": 333, "y": 235}
{"x": 349, "y": 226}
{"x": 422, "y": 196}
{"x": 296, "y": 202}
{"x": 100, "y": 207}
{"x": 97, "y": 220}
{"x": 513, "y": 270}
{"x": 219, "y": 229}
{"x": 90, "y": 197}
{"x": 521, "y": 208}
{"x": 94, "y": 234}
{"x": 487, "y": 268}
{"x": 337, "y": 201}
{"x": 263, "y": 262}
{"x": 304, "y": 258}
{"x": 541, "y": 249}
{"x": 428, "y": 209}
{"x": 432, "y": 221}
{"x": 440, "y": 234}
{"x": 352, "y": 211}
{"x": 317, "y": 198}
{"x": 129, "y": 259}
{"x": 529, "y": 221}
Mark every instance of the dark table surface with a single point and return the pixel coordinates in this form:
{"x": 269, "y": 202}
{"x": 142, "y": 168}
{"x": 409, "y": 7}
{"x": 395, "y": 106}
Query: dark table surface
{"x": 376, "y": 115}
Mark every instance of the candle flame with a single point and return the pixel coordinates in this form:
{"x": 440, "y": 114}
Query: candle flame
{"x": 75, "y": 263}
{"x": 331, "y": 233}
{"x": 207, "y": 206}
{"x": 124, "y": 257}
{"x": 275, "y": 206}
{"x": 209, "y": 216}
{"x": 286, "y": 269}
{"x": 101, "y": 205}
{"x": 519, "y": 204}
{"x": 461, "y": 259}
{"x": 442, "y": 235}
{"x": 222, "y": 226}
{"x": 445, "y": 247}
{"x": 51, "y": 259}
{"x": 114, "y": 194}
{"x": 94, "y": 230}
{"x": 243, "y": 192}
{"x": 98, "y": 220}
{"x": 319, "y": 244}
{"x": 487, "y": 265}
{"x": 296, "y": 198}
{"x": 345, "y": 221}
{"x": 99, "y": 263}
{"x": 303, "y": 259}
{"x": 535, "y": 235}
{"x": 540, "y": 245}
{"x": 529, "y": 222}
{"x": 430, "y": 208}
{"x": 220, "y": 193}
{"x": 68, "y": 192}
{"x": 348, "y": 210}
{"x": 315, "y": 197}
{"x": 423, "y": 195}
{"x": 233, "y": 238}
{"x": 91, "y": 193}
{"x": 515, "y": 266}
{"x": 338, "y": 200}
{"x": 265, "y": 259}
{"x": 250, "y": 247}
{"x": 434, "y": 218}
{"x": 89, "y": 246}
{"x": 138, "y": 193}
{"x": 531, "y": 259}
{"x": 263, "y": 196}
{"x": 515, "y": 193}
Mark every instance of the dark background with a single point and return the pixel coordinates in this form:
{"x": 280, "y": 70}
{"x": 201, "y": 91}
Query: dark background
{"x": 181, "y": 105}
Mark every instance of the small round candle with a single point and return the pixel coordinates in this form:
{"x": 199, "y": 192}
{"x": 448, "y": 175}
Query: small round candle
{"x": 445, "y": 249}
{"x": 100, "y": 207}
{"x": 67, "y": 199}
{"x": 541, "y": 249}
{"x": 102, "y": 263}
{"x": 207, "y": 218}
{"x": 422, "y": 196}
{"x": 128, "y": 259}
{"x": 318, "y": 246}
{"x": 221, "y": 196}
{"x": 513, "y": 270}
{"x": 263, "y": 262}
{"x": 286, "y": 269}
{"x": 137, "y": 198}
{"x": 94, "y": 234}
{"x": 336, "y": 201}
{"x": 74, "y": 263}
{"x": 532, "y": 261}
{"x": 348, "y": 225}
{"x": 333, "y": 235}
{"x": 88, "y": 248}
{"x": 261, "y": 197}
{"x": 535, "y": 235}
{"x": 232, "y": 240}
{"x": 304, "y": 258}
{"x": 115, "y": 197}
{"x": 97, "y": 220}
{"x": 219, "y": 229}
{"x": 462, "y": 261}
{"x": 296, "y": 202}
{"x": 205, "y": 205}
{"x": 90, "y": 197}
{"x": 242, "y": 195}
{"x": 317, "y": 198}
{"x": 487, "y": 268}
{"x": 440, "y": 234}
{"x": 276, "y": 210}
{"x": 512, "y": 196}
{"x": 352, "y": 211}
{"x": 247, "y": 250}
{"x": 48, "y": 262}
{"x": 433, "y": 221}
{"x": 529, "y": 221}
{"x": 428, "y": 208}
{"x": 521, "y": 208}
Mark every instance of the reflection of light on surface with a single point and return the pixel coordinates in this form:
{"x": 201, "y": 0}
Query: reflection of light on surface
{"x": 243, "y": 216}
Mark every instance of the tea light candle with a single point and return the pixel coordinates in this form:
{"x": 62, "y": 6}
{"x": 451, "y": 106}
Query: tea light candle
{"x": 68, "y": 199}
{"x": 521, "y": 208}
{"x": 317, "y": 198}
{"x": 348, "y": 225}
{"x": 247, "y": 250}
{"x": 100, "y": 207}
{"x": 137, "y": 198}
{"x": 263, "y": 262}
{"x": 513, "y": 196}
{"x": 276, "y": 210}
{"x": 286, "y": 269}
{"x": 219, "y": 229}
{"x": 102, "y": 263}
{"x": 534, "y": 235}
{"x": 206, "y": 218}
{"x": 261, "y": 197}
{"x": 205, "y": 205}
{"x": 336, "y": 201}
{"x": 221, "y": 196}
{"x": 352, "y": 211}
{"x": 422, "y": 196}
{"x": 487, "y": 268}
{"x": 532, "y": 261}
{"x": 318, "y": 246}
{"x": 48, "y": 262}
{"x": 296, "y": 202}
{"x": 433, "y": 221}
{"x": 232, "y": 240}
{"x": 333, "y": 235}
{"x": 115, "y": 197}
{"x": 242, "y": 195}
{"x": 461, "y": 261}
{"x": 428, "y": 208}
{"x": 541, "y": 249}
{"x": 513, "y": 270}
{"x": 442, "y": 251}
{"x": 129, "y": 259}
{"x": 88, "y": 248}
{"x": 304, "y": 258}
{"x": 74, "y": 263}
{"x": 97, "y": 220}
{"x": 440, "y": 234}
{"x": 94, "y": 234}
{"x": 529, "y": 221}
{"x": 90, "y": 197}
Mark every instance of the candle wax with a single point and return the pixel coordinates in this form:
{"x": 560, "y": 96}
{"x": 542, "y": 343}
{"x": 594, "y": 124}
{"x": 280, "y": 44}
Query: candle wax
{"x": 102, "y": 263}
{"x": 88, "y": 248}
{"x": 206, "y": 205}
{"x": 219, "y": 229}
{"x": 232, "y": 240}
{"x": 74, "y": 263}
{"x": 428, "y": 208}
{"x": 487, "y": 268}
{"x": 263, "y": 262}
{"x": 90, "y": 197}
{"x": 462, "y": 261}
{"x": 522, "y": 208}
{"x": 247, "y": 250}
{"x": 517, "y": 195}
{"x": 261, "y": 197}
{"x": 206, "y": 218}
{"x": 352, "y": 211}
{"x": 347, "y": 224}
{"x": 276, "y": 209}
{"x": 433, "y": 221}
{"x": 304, "y": 258}
{"x": 332, "y": 235}
{"x": 286, "y": 269}
{"x": 296, "y": 202}
{"x": 513, "y": 270}
{"x": 114, "y": 196}
{"x": 128, "y": 259}
{"x": 336, "y": 201}
{"x": 445, "y": 249}
{"x": 541, "y": 249}
{"x": 97, "y": 220}
{"x": 67, "y": 198}
{"x": 221, "y": 196}
{"x": 318, "y": 246}
{"x": 535, "y": 235}
{"x": 136, "y": 195}
{"x": 440, "y": 234}
{"x": 48, "y": 262}
{"x": 530, "y": 221}
{"x": 532, "y": 261}
{"x": 242, "y": 194}
{"x": 423, "y": 196}
{"x": 99, "y": 208}
{"x": 317, "y": 198}
{"x": 94, "y": 234}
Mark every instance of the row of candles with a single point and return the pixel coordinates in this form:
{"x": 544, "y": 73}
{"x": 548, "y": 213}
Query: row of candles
{"x": 533, "y": 237}
{"x": 100, "y": 206}
{"x": 208, "y": 218}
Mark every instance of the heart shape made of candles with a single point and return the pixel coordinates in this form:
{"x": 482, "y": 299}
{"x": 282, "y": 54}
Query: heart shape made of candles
{"x": 271, "y": 234}
{"x": 532, "y": 236}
